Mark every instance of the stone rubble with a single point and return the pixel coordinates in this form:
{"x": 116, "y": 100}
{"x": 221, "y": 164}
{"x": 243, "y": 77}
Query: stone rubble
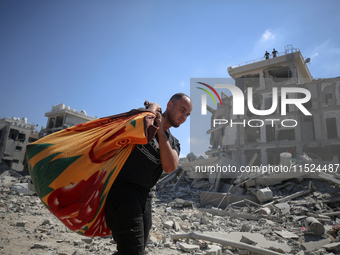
{"x": 295, "y": 216}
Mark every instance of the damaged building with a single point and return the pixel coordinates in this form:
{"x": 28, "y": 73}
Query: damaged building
{"x": 266, "y": 137}
{"x": 15, "y": 134}
{"x": 62, "y": 116}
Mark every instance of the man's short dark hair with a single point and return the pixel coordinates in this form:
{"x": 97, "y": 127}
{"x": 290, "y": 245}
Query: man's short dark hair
{"x": 177, "y": 96}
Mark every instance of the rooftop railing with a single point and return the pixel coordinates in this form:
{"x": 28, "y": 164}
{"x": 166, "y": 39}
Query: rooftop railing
{"x": 286, "y": 52}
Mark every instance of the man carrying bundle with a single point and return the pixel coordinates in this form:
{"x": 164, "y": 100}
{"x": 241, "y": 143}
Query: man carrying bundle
{"x": 128, "y": 206}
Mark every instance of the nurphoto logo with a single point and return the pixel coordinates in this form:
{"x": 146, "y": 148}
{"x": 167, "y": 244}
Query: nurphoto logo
{"x": 239, "y": 102}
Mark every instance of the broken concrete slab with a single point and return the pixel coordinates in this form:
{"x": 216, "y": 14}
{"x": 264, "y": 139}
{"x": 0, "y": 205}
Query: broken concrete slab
{"x": 176, "y": 226}
{"x": 222, "y": 200}
{"x": 257, "y": 238}
{"x": 329, "y": 178}
{"x": 272, "y": 179}
{"x": 180, "y": 179}
{"x": 188, "y": 247}
{"x": 287, "y": 234}
{"x": 232, "y": 189}
{"x": 168, "y": 224}
{"x": 288, "y": 198}
{"x": 216, "y": 211}
{"x": 284, "y": 207}
{"x": 334, "y": 247}
{"x": 314, "y": 245}
{"x": 242, "y": 203}
{"x": 213, "y": 250}
{"x": 221, "y": 238}
{"x": 331, "y": 213}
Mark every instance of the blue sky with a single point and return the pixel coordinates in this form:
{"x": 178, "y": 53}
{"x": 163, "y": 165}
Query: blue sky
{"x": 107, "y": 57}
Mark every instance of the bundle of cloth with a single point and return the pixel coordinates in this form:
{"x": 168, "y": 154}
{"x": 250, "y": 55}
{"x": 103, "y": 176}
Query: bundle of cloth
{"x": 73, "y": 170}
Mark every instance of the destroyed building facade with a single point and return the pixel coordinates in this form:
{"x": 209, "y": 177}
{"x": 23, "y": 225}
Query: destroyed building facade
{"x": 15, "y": 134}
{"x": 62, "y": 116}
{"x": 317, "y": 135}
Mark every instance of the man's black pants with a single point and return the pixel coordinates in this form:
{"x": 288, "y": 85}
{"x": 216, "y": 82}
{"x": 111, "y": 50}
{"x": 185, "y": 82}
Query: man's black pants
{"x": 128, "y": 215}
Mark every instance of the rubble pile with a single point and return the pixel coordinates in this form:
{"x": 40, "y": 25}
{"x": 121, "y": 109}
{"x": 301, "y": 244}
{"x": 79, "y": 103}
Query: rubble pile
{"x": 292, "y": 216}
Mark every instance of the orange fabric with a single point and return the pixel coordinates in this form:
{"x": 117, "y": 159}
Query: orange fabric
{"x": 73, "y": 169}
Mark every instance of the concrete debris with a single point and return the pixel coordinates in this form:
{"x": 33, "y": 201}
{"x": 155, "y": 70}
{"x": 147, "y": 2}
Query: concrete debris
{"x": 334, "y": 247}
{"x": 264, "y": 195}
{"x": 222, "y": 200}
{"x": 168, "y": 224}
{"x": 286, "y": 234}
{"x": 314, "y": 226}
{"x": 329, "y": 178}
{"x": 314, "y": 245}
{"x": 265, "y": 211}
{"x": 176, "y": 226}
{"x": 284, "y": 207}
{"x": 292, "y": 216}
{"x": 188, "y": 247}
{"x": 180, "y": 203}
{"x": 289, "y": 197}
{"x": 213, "y": 250}
{"x": 272, "y": 179}
{"x": 246, "y": 227}
{"x": 169, "y": 177}
{"x": 226, "y": 242}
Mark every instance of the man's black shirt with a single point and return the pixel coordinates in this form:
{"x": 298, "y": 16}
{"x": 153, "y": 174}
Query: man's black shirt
{"x": 143, "y": 167}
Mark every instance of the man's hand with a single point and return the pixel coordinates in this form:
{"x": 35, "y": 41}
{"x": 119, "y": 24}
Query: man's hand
{"x": 158, "y": 110}
{"x": 159, "y": 121}
{"x": 152, "y": 106}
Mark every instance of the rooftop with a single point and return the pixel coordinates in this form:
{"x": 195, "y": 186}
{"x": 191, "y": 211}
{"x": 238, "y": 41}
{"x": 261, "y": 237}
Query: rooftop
{"x": 61, "y": 108}
{"x": 284, "y": 58}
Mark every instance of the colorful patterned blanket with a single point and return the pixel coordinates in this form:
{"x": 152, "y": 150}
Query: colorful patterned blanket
{"x": 73, "y": 170}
